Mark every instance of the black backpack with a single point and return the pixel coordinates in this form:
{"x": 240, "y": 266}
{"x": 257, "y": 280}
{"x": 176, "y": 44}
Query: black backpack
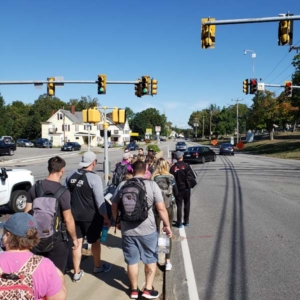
{"x": 46, "y": 211}
{"x": 120, "y": 172}
{"x": 133, "y": 204}
{"x": 165, "y": 184}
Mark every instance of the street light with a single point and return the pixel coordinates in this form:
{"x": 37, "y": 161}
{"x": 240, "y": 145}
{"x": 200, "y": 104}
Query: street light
{"x": 253, "y": 55}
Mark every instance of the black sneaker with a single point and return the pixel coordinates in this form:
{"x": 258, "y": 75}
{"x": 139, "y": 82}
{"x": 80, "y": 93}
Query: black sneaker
{"x": 134, "y": 294}
{"x": 150, "y": 294}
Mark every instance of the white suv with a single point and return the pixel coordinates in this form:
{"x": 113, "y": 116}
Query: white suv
{"x": 14, "y": 185}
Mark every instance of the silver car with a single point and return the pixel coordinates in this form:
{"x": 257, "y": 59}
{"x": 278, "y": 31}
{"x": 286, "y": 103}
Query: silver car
{"x": 181, "y": 146}
{"x": 24, "y": 143}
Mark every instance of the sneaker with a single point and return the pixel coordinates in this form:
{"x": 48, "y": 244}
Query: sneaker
{"x": 78, "y": 276}
{"x": 103, "y": 269}
{"x": 150, "y": 294}
{"x": 178, "y": 225}
{"x": 186, "y": 224}
{"x": 168, "y": 266}
{"x": 134, "y": 294}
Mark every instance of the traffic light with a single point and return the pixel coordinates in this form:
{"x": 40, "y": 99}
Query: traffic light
{"x": 208, "y": 34}
{"x": 101, "y": 84}
{"x": 138, "y": 89}
{"x": 253, "y": 86}
{"x": 246, "y": 86}
{"x": 288, "y": 88}
{"x": 122, "y": 116}
{"x": 154, "y": 86}
{"x": 285, "y": 33}
{"x": 115, "y": 115}
{"x": 51, "y": 87}
{"x": 94, "y": 115}
{"x": 84, "y": 115}
{"x": 145, "y": 85}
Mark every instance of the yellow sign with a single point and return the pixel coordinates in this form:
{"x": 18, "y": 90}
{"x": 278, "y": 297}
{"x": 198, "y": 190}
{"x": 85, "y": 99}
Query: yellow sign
{"x": 149, "y": 130}
{"x": 134, "y": 134}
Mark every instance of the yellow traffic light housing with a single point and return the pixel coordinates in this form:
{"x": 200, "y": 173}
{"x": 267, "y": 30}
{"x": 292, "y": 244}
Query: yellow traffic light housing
{"x": 208, "y": 34}
{"x": 246, "y": 86}
{"x": 288, "y": 88}
{"x": 285, "y": 33}
{"x": 51, "y": 87}
{"x": 122, "y": 116}
{"x": 94, "y": 115}
{"x": 101, "y": 84}
{"x": 115, "y": 115}
{"x": 84, "y": 115}
{"x": 138, "y": 89}
{"x": 154, "y": 86}
{"x": 253, "y": 86}
{"x": 145, "y": 85}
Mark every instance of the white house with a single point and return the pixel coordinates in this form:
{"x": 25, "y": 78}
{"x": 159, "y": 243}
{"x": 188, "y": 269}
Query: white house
{"x": 67, "y": 126}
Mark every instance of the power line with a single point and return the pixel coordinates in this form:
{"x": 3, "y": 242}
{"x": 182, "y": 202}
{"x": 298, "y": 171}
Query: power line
{"x": 281, "y": 72}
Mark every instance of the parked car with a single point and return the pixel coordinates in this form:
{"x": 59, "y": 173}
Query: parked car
{"x": 42, "y": 143}
{"x": 24, "y": 143}
{"x": 199, "y": 154}
{"x": 71, "y": 146}
{"x": 7, "y": 148}
{"x": 163, "y": 139}
{"x": 109, "y": 145}
{"x": 132, "y": 146}
{"x": 226, "y": 148}
{"x": 181, "y": 146}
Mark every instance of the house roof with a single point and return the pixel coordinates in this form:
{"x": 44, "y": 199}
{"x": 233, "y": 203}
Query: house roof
{"x": 77, "y": 118}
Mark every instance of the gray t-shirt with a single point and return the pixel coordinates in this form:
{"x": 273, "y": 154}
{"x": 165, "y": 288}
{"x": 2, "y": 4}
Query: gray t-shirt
{"x": 148, "y": 226}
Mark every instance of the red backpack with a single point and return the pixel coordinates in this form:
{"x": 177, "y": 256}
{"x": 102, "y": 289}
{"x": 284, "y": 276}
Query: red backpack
{"x": 19, "y": 285}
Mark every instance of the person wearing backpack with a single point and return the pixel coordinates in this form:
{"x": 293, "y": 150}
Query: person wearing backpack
{"x": 89, "y": 210}
{"x": 181, "y": 171}
{"x": 132, "y": 210}
{"x": 50, "y": 204}
{"x": 24, "y": 275}
{"x": 168, "y": 187}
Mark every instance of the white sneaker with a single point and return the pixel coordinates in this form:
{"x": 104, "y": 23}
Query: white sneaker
{"x": 78, "y": 276}
{"x": 168, "y": 266}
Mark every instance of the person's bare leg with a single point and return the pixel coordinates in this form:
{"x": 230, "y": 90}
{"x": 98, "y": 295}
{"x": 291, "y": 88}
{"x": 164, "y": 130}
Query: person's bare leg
{"x": 149, "y": 275}
{"x": 96, "y": 250}
{"x": 77, "y": 257}
{"x": 133, "y": 274}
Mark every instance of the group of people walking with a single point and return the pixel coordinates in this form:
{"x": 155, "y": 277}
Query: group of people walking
{"x": 144, "y": 198}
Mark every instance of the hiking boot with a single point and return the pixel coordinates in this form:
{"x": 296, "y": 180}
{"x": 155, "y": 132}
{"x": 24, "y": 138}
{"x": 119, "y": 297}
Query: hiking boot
{"x": 103, "y": 269}
{"x": 134, "y": 294}
{"x": 77, "y": 277}
{"x": 150, "y": 294}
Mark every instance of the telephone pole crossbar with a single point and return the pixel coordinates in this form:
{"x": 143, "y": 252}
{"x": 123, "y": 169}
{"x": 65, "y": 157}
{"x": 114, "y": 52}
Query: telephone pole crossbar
{"x": 254, "y": 20}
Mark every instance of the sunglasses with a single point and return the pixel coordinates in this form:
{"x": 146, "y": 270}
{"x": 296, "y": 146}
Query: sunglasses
{"x": 10, "y": 276}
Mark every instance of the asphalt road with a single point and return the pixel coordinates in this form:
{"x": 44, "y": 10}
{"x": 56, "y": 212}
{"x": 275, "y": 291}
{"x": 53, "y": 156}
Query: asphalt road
{"x": 244, "y": 234}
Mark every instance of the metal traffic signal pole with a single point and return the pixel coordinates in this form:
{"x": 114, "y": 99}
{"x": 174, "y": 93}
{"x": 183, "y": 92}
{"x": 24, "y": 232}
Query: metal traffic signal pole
{"x": 237, "y": 118}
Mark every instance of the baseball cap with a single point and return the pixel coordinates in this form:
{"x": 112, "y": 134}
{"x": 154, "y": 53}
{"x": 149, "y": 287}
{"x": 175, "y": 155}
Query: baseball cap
{"x": 19, "y": 223}
{"x": 126, "y": 155}
{"x": 150, "y": 149}
{"x": 87, "y": 158}
{"x": 178, "y": 154}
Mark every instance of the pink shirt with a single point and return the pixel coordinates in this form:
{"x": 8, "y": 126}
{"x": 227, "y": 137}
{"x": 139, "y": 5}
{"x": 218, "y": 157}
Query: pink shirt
{"x": 46, "y": 280}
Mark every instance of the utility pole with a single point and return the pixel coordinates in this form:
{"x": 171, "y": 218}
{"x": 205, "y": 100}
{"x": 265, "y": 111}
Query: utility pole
{"x": 196, "y": 124}
{"x": 210, "y": 117}
{"x": 203, "y": 127}
{"x": 237, "y": 118}
{"x": 64, "y": 125}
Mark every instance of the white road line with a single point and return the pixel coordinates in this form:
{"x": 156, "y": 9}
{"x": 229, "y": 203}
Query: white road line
{"x": 189, "y": 271}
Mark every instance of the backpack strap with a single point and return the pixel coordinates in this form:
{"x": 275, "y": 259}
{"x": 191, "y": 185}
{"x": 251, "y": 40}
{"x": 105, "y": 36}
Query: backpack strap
{"x": 39, "y": 191}
{"x": 73, "y": 186}
{"x": 31, "y": 264}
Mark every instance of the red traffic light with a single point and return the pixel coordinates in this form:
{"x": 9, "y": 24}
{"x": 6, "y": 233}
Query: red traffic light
{"x": 288, "y": 84}
{"x": 253, "y": 81}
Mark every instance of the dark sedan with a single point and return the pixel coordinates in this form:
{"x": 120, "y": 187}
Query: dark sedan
{"x": 70, "y": 146}
{"x": 199, "y": 154}
{"x": 226, "y": 148}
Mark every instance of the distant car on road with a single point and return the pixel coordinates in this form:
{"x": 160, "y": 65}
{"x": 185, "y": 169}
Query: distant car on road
{"x": 132, "y": 146}
{"x": 199, "y": 154}
{"x": 181, "y": 146}
{"x": 226, "y": 148}
{"x": 24, "y": 143}
{"x": 163, "y": 139}
{"x": 71, "y": 146}
{"x": 42, "y": 143}
{"x": 7, "y": 148}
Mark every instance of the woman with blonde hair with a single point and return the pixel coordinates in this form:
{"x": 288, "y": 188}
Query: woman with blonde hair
{"x": 167, "y": 184}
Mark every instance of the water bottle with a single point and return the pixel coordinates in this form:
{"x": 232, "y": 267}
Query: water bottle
{"x": 163, "y": 243}
{"x": 104, "y": 233}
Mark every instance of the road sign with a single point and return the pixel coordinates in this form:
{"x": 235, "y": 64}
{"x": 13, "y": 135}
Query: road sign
{"x": 149, "y": 130}
{"x": 240, "y": 145}
{"x": 214, "y": 142}
{"x": 157, "y": 128}
{"x": 261, "y": 86}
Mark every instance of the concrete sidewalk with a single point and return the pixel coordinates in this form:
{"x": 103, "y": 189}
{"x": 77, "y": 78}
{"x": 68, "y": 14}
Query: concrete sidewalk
{"x": 115, "y": 283}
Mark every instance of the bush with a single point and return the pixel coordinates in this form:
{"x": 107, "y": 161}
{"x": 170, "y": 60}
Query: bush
{"x": 154, "y": 147}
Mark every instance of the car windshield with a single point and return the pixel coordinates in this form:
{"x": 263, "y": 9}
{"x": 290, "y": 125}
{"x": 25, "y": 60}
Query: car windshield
{"x": 69, "y": 144}
{"x": 191, "y": 149}
{"x": 26, "y": 141}
{"x": 226, "y": 145}
{"x": 181, "y": 143}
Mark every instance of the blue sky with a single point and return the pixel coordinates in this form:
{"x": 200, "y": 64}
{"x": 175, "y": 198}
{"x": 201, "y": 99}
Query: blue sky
{"x": 127, "y": 39}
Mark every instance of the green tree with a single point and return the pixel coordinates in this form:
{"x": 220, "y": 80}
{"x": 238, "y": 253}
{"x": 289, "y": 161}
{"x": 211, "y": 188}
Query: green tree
{"x": 83, "y": 103}
{"x": 129, "y": 115}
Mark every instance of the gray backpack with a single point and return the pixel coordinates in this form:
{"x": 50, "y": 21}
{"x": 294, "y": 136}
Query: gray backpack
{"x": 46, "y": 211}
{"x": 165, "y": 184}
